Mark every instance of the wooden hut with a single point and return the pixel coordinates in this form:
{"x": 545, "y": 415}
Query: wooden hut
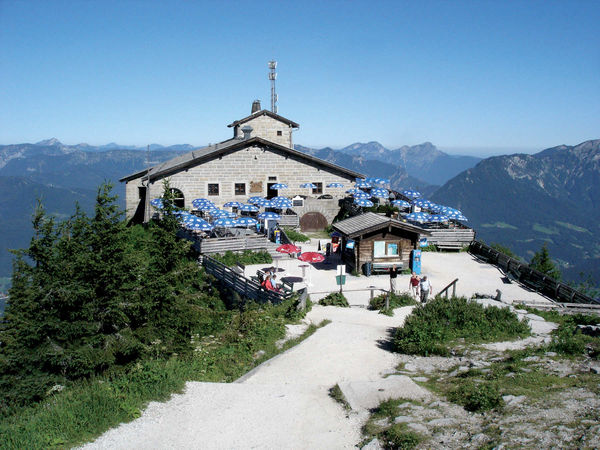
{"x": 377, "y": 239}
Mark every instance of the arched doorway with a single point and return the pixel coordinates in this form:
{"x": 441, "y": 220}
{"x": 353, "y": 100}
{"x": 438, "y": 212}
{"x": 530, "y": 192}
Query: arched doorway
{"x": 313, "y": 221}
{"x": 178, "y": 198}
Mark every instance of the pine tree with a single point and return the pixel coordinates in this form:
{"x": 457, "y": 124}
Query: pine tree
{"x": 542, "y": 262}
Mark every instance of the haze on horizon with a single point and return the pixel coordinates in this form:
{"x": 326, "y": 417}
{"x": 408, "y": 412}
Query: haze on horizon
{"x": 471, "y": 77}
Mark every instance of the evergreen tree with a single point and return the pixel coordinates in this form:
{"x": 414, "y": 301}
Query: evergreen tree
{"x": 542, "y": 262}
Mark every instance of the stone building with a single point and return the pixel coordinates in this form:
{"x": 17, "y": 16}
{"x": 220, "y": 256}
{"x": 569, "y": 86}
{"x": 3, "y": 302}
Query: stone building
{"x": 259, "y": 155}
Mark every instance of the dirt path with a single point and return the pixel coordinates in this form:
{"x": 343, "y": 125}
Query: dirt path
{"x": 284, "y": 403}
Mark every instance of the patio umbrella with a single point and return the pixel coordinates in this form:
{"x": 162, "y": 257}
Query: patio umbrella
{"x": 363, "y": 202}
{"x": 458, "y": 216}
{"x": 411, "y": 194}
{"x": 361, "y": 195}
{"x": 311, "y": 257}
{"x": 232, "y": 205}
{"x": 224, "y": 222}
{"x": 157, "y": 203}
{"x": 288, "y": 248}
{"x": 280, "y": 198}
{"x": 422, "y": 203}
{"x": 435, "y": 208}
{"x": 380, "y": 193}
{"x": 278, "y": 186}
{"x": 282, "y": 204}
{"x": 417, "y": 217}
{"x": 246, "y": 222}
{"x": 354, "y": 191}
{"x": 198, "y": 202}
{"x": 437, "y": 218}
{"x": 449, "y": 210}
{"x": 256, "y": 198}
{"x": 378, "y": 181}
{"x": 248, "y": 208}
{"x": 269, "y": 215}
{"x": 308, "y": 185}
{"x": 400, "y": 203}
{"x": 362, "y": 184}
{"x": 207, "y": 207}
{"x": 199, "y": 226}
{"x": 264, "y": 203}
{"x": 335, "y": 185}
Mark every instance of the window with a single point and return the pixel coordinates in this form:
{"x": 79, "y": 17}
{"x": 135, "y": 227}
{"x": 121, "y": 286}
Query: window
{"x": 318, "y": 189}
{"x": 141, "y": 193}
{"x": 279, "y": 133}
{"x": 178, "y": 199}
{"x": 382, "y": 249}
{"x": 239, "y": 188}
{"x": 213, "y": 188}
{"x": 272, "y": 178}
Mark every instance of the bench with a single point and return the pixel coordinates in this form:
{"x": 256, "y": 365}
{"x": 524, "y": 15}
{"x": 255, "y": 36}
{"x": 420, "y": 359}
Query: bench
{"x": 385, "y": 266}
{"x": 239, "y": 268}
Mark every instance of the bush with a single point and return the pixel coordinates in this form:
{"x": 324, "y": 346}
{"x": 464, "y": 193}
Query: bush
{"x": 430, "y": 328}
{"x": 477, "y": 397}
{"x": 396, "y": 301}
{"x": 334, "y": 299}
{"x": 247, "y": 257}
{"x": 295, "y": 236}
{"x": 398, "y": 437}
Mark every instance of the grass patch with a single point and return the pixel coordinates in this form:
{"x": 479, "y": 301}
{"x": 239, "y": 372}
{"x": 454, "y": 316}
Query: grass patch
{"x": 336, "y": 393}
{"x": 431, "y": 329}
{"x": 391, "y": 435}
{"x": 295, "y": 236}
{"x": 542, "y": 229}
{"x": 334, "y": 299}
{"x": 395, "y": 301}
{"x": 477, "y": 397}
{"x": 84, "y": 409}
{"x": 247, "y": 257}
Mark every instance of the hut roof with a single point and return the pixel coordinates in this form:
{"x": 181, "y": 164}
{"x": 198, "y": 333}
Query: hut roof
{"x": 365, "y": 223}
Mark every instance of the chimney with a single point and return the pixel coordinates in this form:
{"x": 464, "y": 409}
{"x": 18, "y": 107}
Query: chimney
{"x": 255, "y": 106}
{"x": 247, "y": 130}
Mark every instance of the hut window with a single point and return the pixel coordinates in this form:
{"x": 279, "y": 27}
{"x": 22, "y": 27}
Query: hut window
{"x": 318, "y": 189}
{"x": 381, "y": 249}
{"x": 178, "y": 199}
{"x": 240, "y": 188}
{"x": 213, "y": 188}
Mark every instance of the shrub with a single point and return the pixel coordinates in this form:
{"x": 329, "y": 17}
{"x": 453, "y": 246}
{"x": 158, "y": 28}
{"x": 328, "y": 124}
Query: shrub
{"x": 247, "y": 257}
{"x": 295, "y": 236}
{"x": 477, "y": 397}
{"x": 396, "y": 301}
{"x": 398, "y": 437}
{"x": 430, "y": 328}
{"x": 429, "y": 248}
{"x": 334, "y": 299}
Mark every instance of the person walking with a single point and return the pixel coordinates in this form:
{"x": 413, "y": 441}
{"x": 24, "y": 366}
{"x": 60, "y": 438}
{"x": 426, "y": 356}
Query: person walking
{"x": 393, "y": 276}
{"x": 413, "y": 284}
{"x": 425, "y": 288}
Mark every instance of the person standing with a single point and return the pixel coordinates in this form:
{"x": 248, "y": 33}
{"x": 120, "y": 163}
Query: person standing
{"x": 413, "y": 284}
{"x": 393, "y": 276}
{"x": 425, "y": 288}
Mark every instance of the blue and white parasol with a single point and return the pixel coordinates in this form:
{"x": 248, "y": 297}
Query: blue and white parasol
{"x": 232, "y": 205}
{"x": 198, "y": 202}
{"x": 224, "y": 222}
{"x": 422, "y": 203}
{"x": 246, "y": 222}
{"x": 308, "y": 186}
{"x": 256, "y": 198}
{"x": 362, "y": 184}
{"x": 335, "y": 185}
{"x": 437, "y": 218}
{"x": 380, "y": 193}
{"x": 354, "y": 191}
{"x": 400, "y": 204}
{"x": 278, "y": 186}
{"x": 269, "y": 215}
{"x": 219, "y": 213}
{"x": 157, "y": 203}
{"x": 411, "y": 194}
{"x": 363, "y": 202}
{"x": 264, "y": 203}
{"x": 207, "y": 207}
{"x": 248, "y": 208}
{"x": 417, "y": 217}
{"x": 361, "y": 195}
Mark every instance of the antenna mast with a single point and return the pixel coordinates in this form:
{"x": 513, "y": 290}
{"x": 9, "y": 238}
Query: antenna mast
{"x": 272, "y": 76}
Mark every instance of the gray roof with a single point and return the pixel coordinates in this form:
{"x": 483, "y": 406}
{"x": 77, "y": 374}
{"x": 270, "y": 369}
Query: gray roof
{"x": 200, "y": 155}
{"x": 364, "y": 223}
{"x": 264, "y": 112}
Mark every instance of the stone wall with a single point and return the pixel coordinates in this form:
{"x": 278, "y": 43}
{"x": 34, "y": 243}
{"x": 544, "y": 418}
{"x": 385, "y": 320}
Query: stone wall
{"x": 253, "y": 167}
{"x": 266, "y": 127}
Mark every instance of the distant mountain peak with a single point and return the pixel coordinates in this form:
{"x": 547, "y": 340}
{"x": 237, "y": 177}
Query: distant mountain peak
{"x": 49, "y": 142}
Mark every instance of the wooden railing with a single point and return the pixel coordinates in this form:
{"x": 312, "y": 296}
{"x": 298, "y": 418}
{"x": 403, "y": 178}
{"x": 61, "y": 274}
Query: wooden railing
{"x": 531, "y": 278}
{"x": 289, "y": 220}
{"x": 221, "y": 245}
{"x": 445, "y": 290}
{"x": 245, "y": 287}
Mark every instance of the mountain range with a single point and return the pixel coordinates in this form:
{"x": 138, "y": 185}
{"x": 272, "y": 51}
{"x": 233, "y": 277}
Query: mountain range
{"x": 520, "y": 200}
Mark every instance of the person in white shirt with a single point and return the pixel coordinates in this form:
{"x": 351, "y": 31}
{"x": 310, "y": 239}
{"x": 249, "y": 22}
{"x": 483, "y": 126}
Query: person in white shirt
{"x": 425, "y": 288}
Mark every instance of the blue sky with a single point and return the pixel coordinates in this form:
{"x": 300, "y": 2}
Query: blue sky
{"x": 471, "y": 77}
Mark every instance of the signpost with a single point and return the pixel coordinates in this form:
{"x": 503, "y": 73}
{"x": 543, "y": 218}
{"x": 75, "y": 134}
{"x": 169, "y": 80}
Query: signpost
{"x": 340, "y": 278}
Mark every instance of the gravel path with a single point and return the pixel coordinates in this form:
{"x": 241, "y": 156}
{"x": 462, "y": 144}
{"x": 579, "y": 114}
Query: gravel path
{"x": 284, "y": 403}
